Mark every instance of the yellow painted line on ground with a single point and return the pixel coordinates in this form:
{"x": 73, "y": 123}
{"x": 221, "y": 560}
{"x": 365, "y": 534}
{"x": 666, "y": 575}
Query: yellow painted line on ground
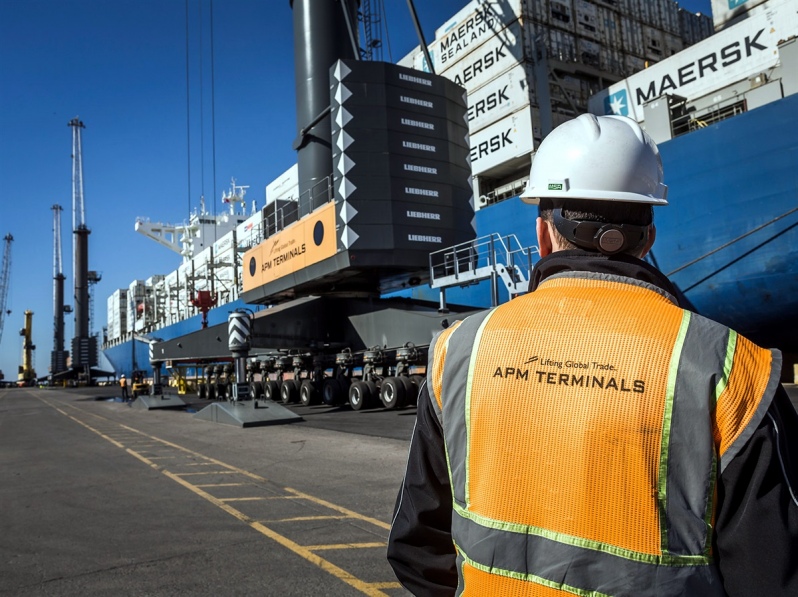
{"x": 371, "y": 589}
{"x": 219, "y": 484}
{"x": 199, "y": 464}
{"x": 243, "y": 499}
{"x": 206, "y": 473}
{"x": 342, "y": 510}
{"x": 304, "y": 518}
{"x": 344, "y": 546}
{"x": 339, "y": 573}
{"x": 161, "y": 457}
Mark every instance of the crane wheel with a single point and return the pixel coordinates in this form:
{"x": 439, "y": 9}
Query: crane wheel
{"x": 288, "y": 391}
{"x": 393, "y": 393}
{"x": 359, "y": 395}
{"x": 271, "y": 390}
{"x": 307, "y": 393}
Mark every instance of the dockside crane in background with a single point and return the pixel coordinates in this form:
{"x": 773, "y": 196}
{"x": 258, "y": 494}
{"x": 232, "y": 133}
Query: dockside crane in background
{"x": 58, "y": 356}
{"x": 5, "y": 274}
{"x": 84, "y": 346}
{"x": 27, "y": 374}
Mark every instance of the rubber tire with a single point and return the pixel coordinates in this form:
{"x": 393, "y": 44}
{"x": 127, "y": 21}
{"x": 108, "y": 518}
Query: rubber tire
{"x": 331, "y": 391}
{"x": 221, "y": 391}
{"x": 255, "y": 390}
{"x": 202, "y": 389}
{"x": 308, "y": 395}
{"x": 411, "y": 390}
{"x": 393, "y": 393}
{"x": 359, "y": 394}
{"x": 271, "y": 390}
{"x": 288, "y": 391}
{"x": 211, "y": 391}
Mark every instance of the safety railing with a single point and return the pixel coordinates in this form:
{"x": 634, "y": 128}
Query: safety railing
{"x": 492, "y": 257}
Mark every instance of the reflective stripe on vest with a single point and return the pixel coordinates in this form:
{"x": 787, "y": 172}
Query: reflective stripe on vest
{"x": 694, "y": 392}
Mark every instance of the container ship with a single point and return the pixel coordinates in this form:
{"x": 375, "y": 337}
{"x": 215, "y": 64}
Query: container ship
{"x": 720, "y": 97}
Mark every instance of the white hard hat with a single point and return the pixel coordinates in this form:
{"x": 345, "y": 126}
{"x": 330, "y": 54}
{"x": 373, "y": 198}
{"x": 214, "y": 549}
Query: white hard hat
{"x": 122, "y": 376}
{"x": 607, "y": 158}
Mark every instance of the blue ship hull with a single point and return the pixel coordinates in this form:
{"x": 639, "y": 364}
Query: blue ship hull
{"x": 729, "y": 238}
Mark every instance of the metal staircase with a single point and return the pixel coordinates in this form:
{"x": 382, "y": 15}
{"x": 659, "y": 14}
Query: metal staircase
{"x": 493, "y": 257}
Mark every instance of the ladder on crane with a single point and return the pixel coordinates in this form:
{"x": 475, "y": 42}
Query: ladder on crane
{"x": 5, "y": 273}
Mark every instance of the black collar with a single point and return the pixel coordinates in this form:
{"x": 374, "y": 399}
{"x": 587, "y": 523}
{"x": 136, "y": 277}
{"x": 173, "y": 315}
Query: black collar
{"x": 618, "y": 265}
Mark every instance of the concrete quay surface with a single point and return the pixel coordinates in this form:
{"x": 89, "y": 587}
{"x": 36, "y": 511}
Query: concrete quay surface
{"x": 102, "y": 499}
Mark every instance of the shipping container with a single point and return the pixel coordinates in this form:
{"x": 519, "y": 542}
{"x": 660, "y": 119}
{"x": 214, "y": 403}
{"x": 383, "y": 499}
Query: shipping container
{"x": 653, "y": 44}
{"x": 473, "y": 16}
{"x": 632, "y": 36}
{"x": 562, "y": 46}
{"x": 499, "y": 54}
{"x": 561, "y": 14}
{"x": 501, "y": 142}
{"x": 609, "y": 28}
{"x": 589, "y": 52}
{"x": 728, "y": 12}
{"x": 504, "y": 95}
{"x": 708, "y": 66}
{"x": 673, "y": 44}
{"x": 587, "y": 23}
{"x": 538, "y": 10}
{"x": 612, "y": 61}
{"x": 285, "y": 186}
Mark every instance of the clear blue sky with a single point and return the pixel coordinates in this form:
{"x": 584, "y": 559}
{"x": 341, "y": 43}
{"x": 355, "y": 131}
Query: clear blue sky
{"x": 120, "y": 65}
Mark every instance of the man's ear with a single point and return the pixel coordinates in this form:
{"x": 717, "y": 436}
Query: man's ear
{"x": 544, "y": 237}
{"x": 652, "y": 235}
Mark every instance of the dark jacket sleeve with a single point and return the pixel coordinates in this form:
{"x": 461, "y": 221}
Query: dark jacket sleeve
{"x": 420, "y": 548}
{"x": 756, "y": 539}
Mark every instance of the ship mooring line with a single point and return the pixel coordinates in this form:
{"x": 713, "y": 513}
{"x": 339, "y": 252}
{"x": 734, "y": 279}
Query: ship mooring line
{"x": 307, "y": 553}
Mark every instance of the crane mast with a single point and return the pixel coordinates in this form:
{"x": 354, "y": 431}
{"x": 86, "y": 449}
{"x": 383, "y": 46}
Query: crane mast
{"x": 27, "y": 374}
{"x": 84, "y": 347}
{"x": 5, "y": 273}
{"x": 58, "y": 357}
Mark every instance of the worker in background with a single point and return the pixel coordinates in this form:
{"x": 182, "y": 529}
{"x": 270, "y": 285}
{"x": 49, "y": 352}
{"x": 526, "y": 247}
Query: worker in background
{"x": 123, "y": 385}
{"x": 593, "y": 437}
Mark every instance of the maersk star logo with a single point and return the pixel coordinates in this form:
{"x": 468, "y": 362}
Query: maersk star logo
{"x": 617, "y": 104}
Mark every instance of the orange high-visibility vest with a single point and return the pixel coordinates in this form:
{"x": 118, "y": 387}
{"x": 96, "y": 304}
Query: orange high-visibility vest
{"x": 585, "y": 426}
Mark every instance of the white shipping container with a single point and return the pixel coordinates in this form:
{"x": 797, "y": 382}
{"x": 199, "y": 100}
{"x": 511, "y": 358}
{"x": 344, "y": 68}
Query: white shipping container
{"x": 631, "y": 8}
{"x": 670, "y": 17}
{"x": 497, "y": 55}
{"x": 250, "y": 232}
{"x": 612, "y": 61}
{"x": 562, "y": 46}
{"x": 587, "y": 24}
{"x": 285, "y": 186}
{"x": 505, "y": 140}
{"x": 589, "y": 52}
{"x": 538, "y": 10}
{"x": 653, "y": 43}
{"x": 729, "y": 56}
{"x": 725, "y": 12}
{"x": 477, "y": 15}
{"x": 506, "y": 94}
{"x": 633, "y": 64}
{"x": 673, "y": 44}
{"x": 632, "y": 36}
{"x": 609, "y": 28}
{"x": 561, "y": 14}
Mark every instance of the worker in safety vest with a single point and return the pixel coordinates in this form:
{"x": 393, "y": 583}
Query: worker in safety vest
{"x": 123, "y": 386}
{"x": 594, "y": 437}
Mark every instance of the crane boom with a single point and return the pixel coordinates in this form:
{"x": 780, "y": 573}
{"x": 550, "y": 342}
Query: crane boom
{"x": 5, "y": 273}
{"x": 78, "y": 209}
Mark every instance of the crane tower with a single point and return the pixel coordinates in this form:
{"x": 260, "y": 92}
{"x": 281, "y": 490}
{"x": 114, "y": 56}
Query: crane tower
{"x": 27, "y": 374}
{"x": 84, "y": 346}
{"x": 5, "y": 273}
{"x": 58, "y": 357}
